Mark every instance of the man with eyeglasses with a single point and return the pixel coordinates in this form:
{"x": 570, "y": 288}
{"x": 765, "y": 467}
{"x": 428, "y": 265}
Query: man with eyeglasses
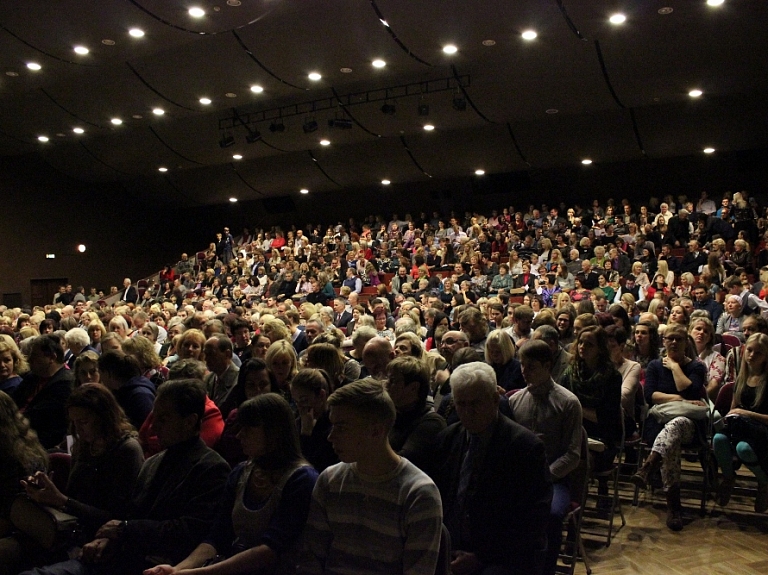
{"x": 452, "y": 342}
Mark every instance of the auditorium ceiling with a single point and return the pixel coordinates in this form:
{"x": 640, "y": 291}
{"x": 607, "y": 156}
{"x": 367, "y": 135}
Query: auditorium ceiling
{"x": 200, "y": 101}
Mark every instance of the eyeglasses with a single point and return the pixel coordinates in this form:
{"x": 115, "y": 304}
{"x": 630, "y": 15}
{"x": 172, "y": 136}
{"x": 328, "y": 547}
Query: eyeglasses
{"x": 671, "y": 339}
{"x": 450, "y": 341}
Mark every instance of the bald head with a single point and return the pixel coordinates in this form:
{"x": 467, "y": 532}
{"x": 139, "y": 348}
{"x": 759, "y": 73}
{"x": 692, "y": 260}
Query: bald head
{"x": 377, "y": 354}
{"x": 452, "y": 342}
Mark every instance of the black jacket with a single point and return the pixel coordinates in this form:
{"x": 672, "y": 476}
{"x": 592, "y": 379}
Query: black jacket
{"x": 45, "y": 411}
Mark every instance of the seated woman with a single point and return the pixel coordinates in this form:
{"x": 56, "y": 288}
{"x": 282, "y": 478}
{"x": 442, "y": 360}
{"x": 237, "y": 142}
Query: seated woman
{"x": 631, "y": 390}
{"x": 266, "y": 499}
{"x": 646, "y": 343}
{"x": 746, "y": 431}
{"x": 678, "y": 314}
{"x": 703, "y": 334}
{"x": 12, "y": 365}
{"x": 87, "y": 368}
{"x": 142, "y": 349}
{"x": 731, "y": 320}
{"x": 417, "y": 425}
{"x": 310, "y": 390}
{"x": 594, "y": 379}
{"x": 500, "y": 355}
{"x": 676, "y": 377}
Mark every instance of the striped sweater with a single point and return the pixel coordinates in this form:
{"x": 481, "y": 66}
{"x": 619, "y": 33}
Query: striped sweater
{"x": 373, "y": 525}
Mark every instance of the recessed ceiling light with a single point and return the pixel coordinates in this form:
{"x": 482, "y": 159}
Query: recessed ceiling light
{"x": 666, "y": 10}
{"x": 384, "y": 22}
{"x": 695, "y": 93}
{"x": 233, "y": 2}
{"x": 116, "y": 121}
{"x": 162, "y": 169}
{"x": 60, "y": 135}
{"x": 34, "y": 66}
{"x": 314, "y": 76}
{"x": 108, "y": 42}
{"x": 552, "y": 111}
{"x": 78, "y": 130}
{"x": 233, "y": 200}
{"x": 325, "y": 142}
{"x": 256, "y": 89}
{"x": 385, "y": 182}
{"x": 709, "y": 150}
{"x": 42, "y": 138}
{"x": 205, "y": 101}
{"x": 137, "y": 116}
{"x": 231, "y": 95}
{"x": 429, "y": 127}
{"x": 237, "y": 157}
{"x": 136, "y": 32}
{"x": 158, "y": 111}
{"x": 82, "y": 50}
{"x": 378, "y": 63}
{"x": 489, "y": 42}
{"x": 196, "y": 12}
{"x": 715, "y": 2}
{"x": 617, "y": 19}
{"x": 586, "y": 161}
{"x": 346, "y": 70}
{"x": 450, "y": 49}
{"x": 81, "y": 248}
{"x": 479, "y": 172}
{"x": 11, "y": 73}
{"x": 529, "y": 35}
{"x": 304, "y": 191}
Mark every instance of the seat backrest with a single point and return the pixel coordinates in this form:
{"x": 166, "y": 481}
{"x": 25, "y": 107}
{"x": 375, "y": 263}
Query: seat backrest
{"x": 724, "y": 398}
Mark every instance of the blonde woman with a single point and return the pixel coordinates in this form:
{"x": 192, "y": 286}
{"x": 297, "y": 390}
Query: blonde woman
{"x": 641, "y": 278}
{"x": 702, "y": 331}
{"x": 662, "y": 267}
{"x": 687, "y": 281}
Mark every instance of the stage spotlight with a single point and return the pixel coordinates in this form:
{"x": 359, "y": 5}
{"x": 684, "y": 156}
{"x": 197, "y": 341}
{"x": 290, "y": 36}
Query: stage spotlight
{"x": 423, "y": 109}
{"x": 227, "y": 141}
{"x": 388, "y": 109}
{"x": 459, "y": 104}
{"x": 277, "y": 127}
{"x": 310, "y": 126}
{"x": 253, "y": 136}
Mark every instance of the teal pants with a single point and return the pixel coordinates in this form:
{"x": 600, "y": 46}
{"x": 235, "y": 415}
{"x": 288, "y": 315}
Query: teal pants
{"x": 724, "y": 453}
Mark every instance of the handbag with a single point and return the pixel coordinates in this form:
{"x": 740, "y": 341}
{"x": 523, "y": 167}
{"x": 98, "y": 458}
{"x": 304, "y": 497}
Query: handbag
{"x": 740, "y": 428}
{"x": 666, "y": 412}
{"x": 50, "y": 528}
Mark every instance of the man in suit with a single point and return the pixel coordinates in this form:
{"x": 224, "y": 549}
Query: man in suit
{"x": 42, "y": 394}
{"x": 494, "y": 482}
{"x": 130, "y": 295}
{"x": 694, "y": 259}
{"x": 341, "y": 315}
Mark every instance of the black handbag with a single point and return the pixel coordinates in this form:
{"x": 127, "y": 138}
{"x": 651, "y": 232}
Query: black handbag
{"x": 739, "y": 428}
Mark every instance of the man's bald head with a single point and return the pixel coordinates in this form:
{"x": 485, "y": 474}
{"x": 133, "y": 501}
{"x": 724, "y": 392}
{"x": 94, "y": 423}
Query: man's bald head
{"x": 452, "y": 342}
{"x": 377, "y": 354}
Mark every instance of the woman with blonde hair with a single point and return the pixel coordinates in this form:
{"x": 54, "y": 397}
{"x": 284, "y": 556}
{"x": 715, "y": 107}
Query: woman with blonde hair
{"x": 662, "y": 268}
{"x": 500, "y": 354}
{"x": 282, "y": 361}
{"x": 641, "y": 278}
{"x": 12, "y": 364}
{"x": 702, "y": 331}
{"x": 275, "y": 330}
{"x": 561, "y": 300}
{"x": 746, "y": 430}
{"x": 687, "y": 281}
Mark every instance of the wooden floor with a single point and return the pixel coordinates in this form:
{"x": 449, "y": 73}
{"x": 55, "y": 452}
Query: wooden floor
{"x": 728, "y": 541}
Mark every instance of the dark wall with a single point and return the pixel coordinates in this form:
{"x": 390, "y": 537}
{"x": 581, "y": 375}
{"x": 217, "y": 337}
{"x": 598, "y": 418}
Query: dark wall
{"x": 46, "y": 212}
{"x": 43, "y": 211}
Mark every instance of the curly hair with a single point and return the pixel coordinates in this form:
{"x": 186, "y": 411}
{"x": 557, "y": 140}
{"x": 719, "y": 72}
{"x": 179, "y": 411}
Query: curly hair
{"x": 18, "y": 441}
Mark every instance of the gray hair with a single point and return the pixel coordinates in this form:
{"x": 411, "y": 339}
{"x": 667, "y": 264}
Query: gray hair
{"x": 476, "y": 373}
{"x": 77, "y": 336}
{"x": 547, "y": 333}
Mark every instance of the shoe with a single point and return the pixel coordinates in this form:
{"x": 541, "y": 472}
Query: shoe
{"x": 761, "y": 500}
{"x": 640, "y": 479}
{"x": 724, "y": 491}
{"x": 674, "y": 509}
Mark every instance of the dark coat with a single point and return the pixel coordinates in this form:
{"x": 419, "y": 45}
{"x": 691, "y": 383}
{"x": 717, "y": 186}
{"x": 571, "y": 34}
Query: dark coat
{"x": 46, "y": 411}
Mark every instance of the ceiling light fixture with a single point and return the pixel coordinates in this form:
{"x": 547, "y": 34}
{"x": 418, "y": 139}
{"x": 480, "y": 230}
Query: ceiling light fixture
{"x": 489, "y": 42}
{"x": 137, "y": 116}
{"x": 428, "y": 127}
{"x": 388, "y": 109}
{"x": 325, "y": 142}
{"x": 196, "y": 12}
{"x": 233, "y": 200}
{"x": 11, "y": 73}
{"x": 552, "y": 111}
{"x": 304, "y": 191}
{"x": 81, "y": 248}
{"x": 709, "y": 150}
{"x": 715, "y": 2}
{"x": 116, "y": 121}
{"x": 310, "y": 125}
{"x": 256, "y": 89}
{"x": 314, "y": 76}
{"x": 162, "y": 169}
{"x": 479, "y": 172}
{"x": 108, "y": 42}
{"x": 529, "y": 35}
{"x": 450, "y": 49}
{"x": 378, "y": 63}
{"x": 253, "y": 136}
{"x": 340, "y": 123}
{"x": 385, "y": 182}
{"x": 237, "y": 156}
{"x": 346, "y": 70}
{"x": 666, "y": 10}
{"x": 82, "y": 50}
{"x": 136, "y": 32}
{"x": 42, "y": 138}
{"x": 617, "y": 19}
{"x": 205, "y": 101}
{"x": 695, "y": 93}
{"x": 226, "y": 141}
{"x": 277, "y": 126}
{"x": 158, "y": 111}
{"x": 78, "y": 130}
{"x": 230, "y": 95}
{"x": 586, "y": 161}
{"x": 34, "y": 66}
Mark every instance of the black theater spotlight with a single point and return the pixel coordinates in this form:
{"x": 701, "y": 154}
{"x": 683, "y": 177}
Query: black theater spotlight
{"x": 277, "y": 127}
{"x": 340, "y": 123}
{"x": 227, "y": 141}
{"x": 310, "y": 125}
{"x": 253, "y": 136}
{"x": 459, "y": 103}
{"x": 388, "y": 109}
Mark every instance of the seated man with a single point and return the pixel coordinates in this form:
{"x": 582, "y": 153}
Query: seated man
{"x": 375, "y": 512}
{"x": 175, "y": 500}
{"x": 494, "y": 480}
{"x": 417, "y": 425}
{"x": 555, "y": 415}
